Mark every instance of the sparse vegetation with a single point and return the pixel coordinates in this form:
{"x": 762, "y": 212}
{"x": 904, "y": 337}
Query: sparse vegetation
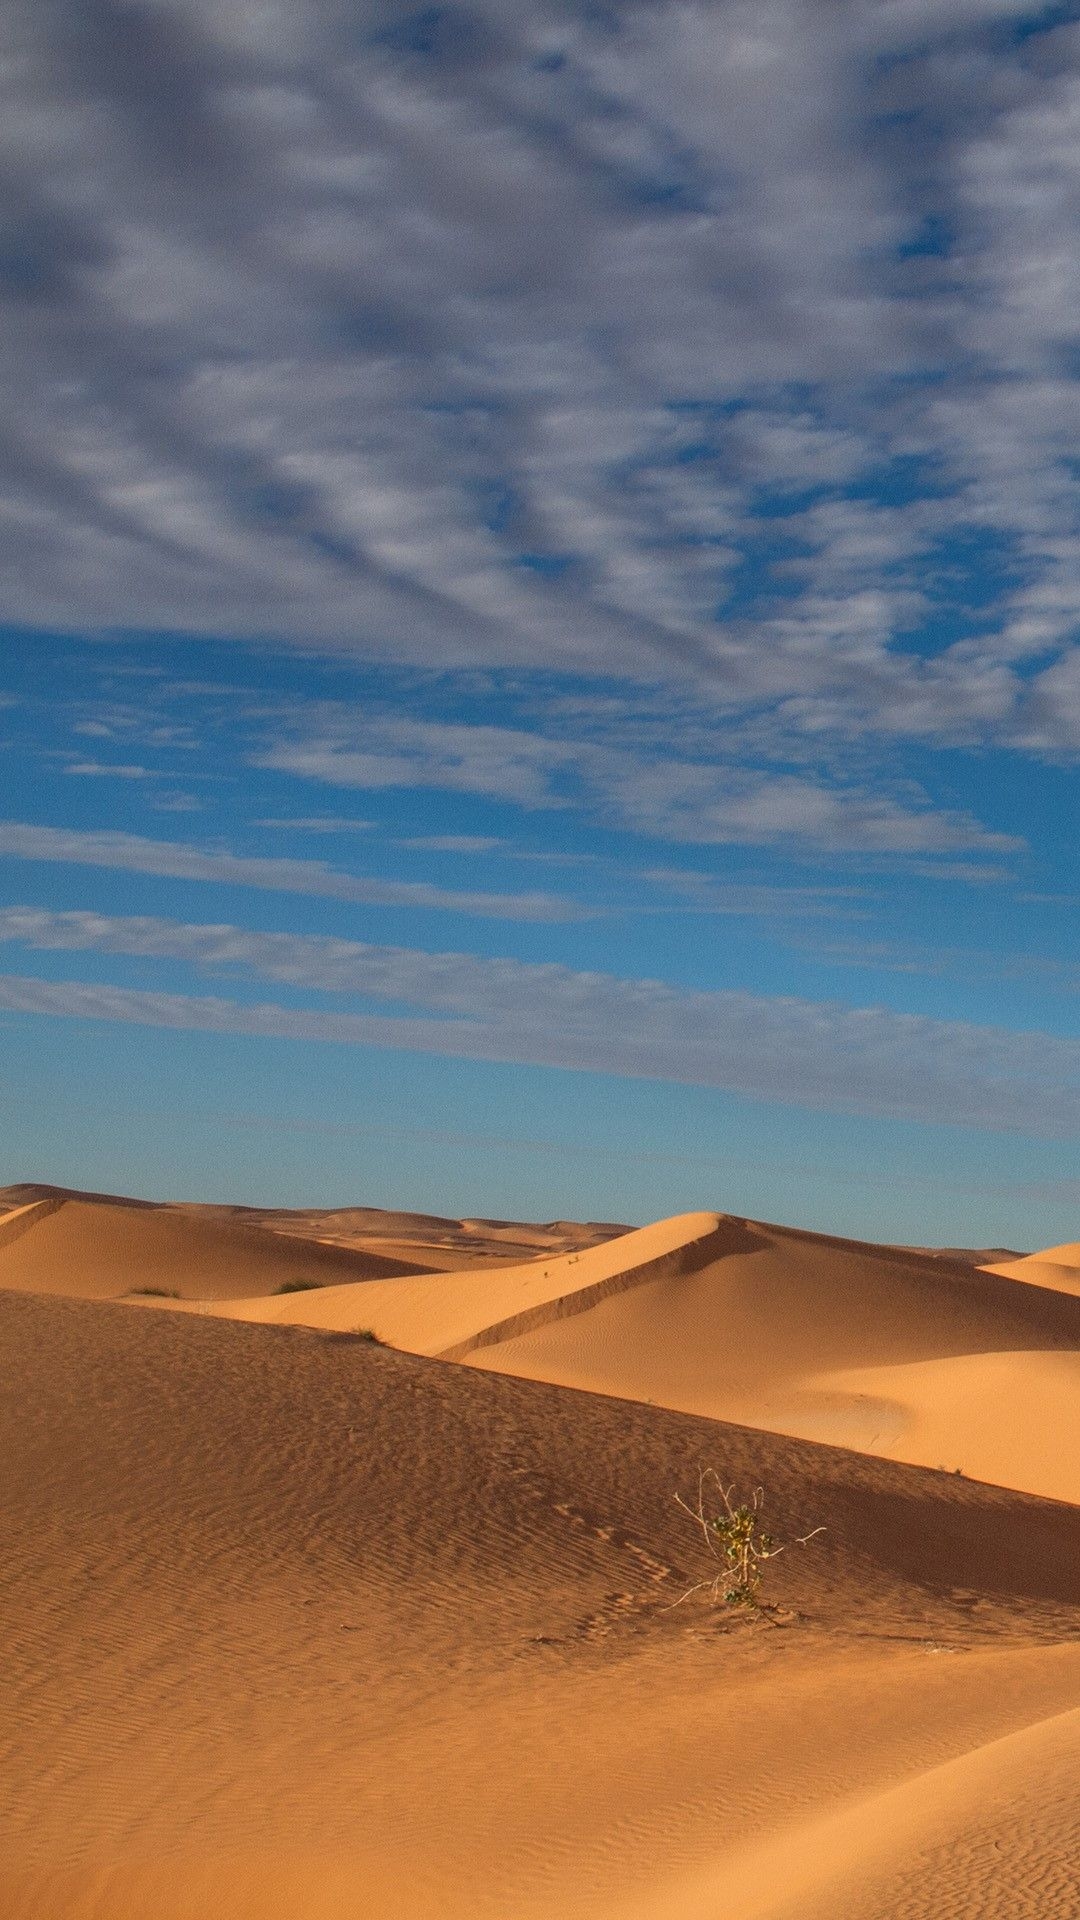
{"x": 368, "y": 1333}
{"x": 736, "y": 1540}
{"x": 157, "y": 1293}
{"x": 298, "y": 1285}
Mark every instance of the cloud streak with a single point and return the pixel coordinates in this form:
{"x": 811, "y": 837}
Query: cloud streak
{"x": 176, "y": 860}
{"x": 815, "y": 1054}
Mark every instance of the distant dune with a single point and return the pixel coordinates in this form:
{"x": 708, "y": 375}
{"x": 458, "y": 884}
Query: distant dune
{"x": 105, "y": 1249}
{"x": 298, "y": 1627}
{"x": 448, "y": 1317}
{"x": 103, "y": 1246}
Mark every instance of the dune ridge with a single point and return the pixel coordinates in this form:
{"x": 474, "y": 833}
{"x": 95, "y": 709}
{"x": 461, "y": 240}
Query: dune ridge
{"x": 104, "y": 1249}
{"x": 450, "y": 1316}
{"x": 106, "y": 1245}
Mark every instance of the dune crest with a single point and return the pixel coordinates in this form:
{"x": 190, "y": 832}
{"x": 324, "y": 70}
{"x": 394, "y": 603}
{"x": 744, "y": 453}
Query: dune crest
{"x": 449, "y": 1316}
{"x": 106, "y": 1249}
{"x": 1054, "y": 1267}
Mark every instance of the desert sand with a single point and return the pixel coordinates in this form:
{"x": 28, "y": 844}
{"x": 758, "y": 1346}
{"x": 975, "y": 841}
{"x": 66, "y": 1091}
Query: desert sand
{"x": 311, "y": 1628}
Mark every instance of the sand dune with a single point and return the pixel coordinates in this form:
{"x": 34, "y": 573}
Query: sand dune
{"x": 299, "y": 1626}
{"x": 450, "y": 1316}
{"x": 425, "y": 1242}
{"x": 107, "y": 1245}
{"x": 104, "y": 1249}
{"x": 1055, "y": 1267}
{"x": 886, "y": 1350}
{"x": 860, "y": 1346}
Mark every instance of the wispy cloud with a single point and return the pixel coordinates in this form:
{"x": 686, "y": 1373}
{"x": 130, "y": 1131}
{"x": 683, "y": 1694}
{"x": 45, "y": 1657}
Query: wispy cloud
{"x": 455, "y": 843}
{"x": 821, "y": 1055}
{"x": 176, "y": 860}
{"x": 316, "y": 823}
{"x": 648, "y": 786}
{"x": 104, "y": 770}
{"x": 176, "y": 803}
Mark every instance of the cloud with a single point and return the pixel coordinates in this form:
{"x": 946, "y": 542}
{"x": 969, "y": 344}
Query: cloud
{"x": 715, "y": 341}
{"x": 100, "y": 770}
{"x": 176, "y": 803}
{"x": 819, "y": 1055}
{"x": 646, "y": 787}
{"x": 500, "y": 762}
{"x": 704, "y": 893}
{"x": 175, "y": 860}
{"x": 317, "y": 823}
{"x": 455, "y": 843}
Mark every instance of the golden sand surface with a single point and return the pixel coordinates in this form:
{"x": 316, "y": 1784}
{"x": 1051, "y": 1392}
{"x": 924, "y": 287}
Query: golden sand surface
{"x": 303, "y": 1627}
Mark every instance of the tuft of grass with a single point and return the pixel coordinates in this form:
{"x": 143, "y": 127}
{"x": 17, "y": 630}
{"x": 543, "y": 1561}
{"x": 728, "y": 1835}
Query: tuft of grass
{"x": 156, "y": 1293}
{"x": 298, "y": 1285}
{"x": 367, "y": 1333}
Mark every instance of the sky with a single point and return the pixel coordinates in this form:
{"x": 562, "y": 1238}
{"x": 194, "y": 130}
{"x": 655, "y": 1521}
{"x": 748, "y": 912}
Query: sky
{"x": 540, "y": 665}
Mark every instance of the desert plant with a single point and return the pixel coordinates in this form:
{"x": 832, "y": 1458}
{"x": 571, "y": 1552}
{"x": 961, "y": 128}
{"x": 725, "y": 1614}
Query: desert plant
{"x": 735, "y": 1539}
{"x": 298, "y": 1285}
{"x": 367, "y": 1333}
{"x": 157, "y": 1293}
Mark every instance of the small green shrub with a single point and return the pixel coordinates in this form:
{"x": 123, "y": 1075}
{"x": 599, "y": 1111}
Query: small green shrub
{"x": 367, "y": 1333}
{"x": 298, "y": 1285}
{"x": 157, "y": 1293}
{"x": 735, "y": 1539}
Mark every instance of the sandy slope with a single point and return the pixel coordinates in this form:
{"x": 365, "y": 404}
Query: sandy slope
{"x": 861, "y": 1346}
{"x": 300, "y": 1627}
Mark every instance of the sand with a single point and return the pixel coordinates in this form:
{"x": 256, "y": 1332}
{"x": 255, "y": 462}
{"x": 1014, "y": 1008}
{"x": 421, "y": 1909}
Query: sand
{"x": 304, "y": 1628}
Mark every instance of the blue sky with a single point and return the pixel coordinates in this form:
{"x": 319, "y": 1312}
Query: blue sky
{"x": 541, "y": 586}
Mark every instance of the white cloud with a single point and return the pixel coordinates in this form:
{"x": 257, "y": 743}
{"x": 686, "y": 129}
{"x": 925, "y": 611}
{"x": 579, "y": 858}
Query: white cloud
{"x": 455, "y": 843}
{"x": 316, "y": 823}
